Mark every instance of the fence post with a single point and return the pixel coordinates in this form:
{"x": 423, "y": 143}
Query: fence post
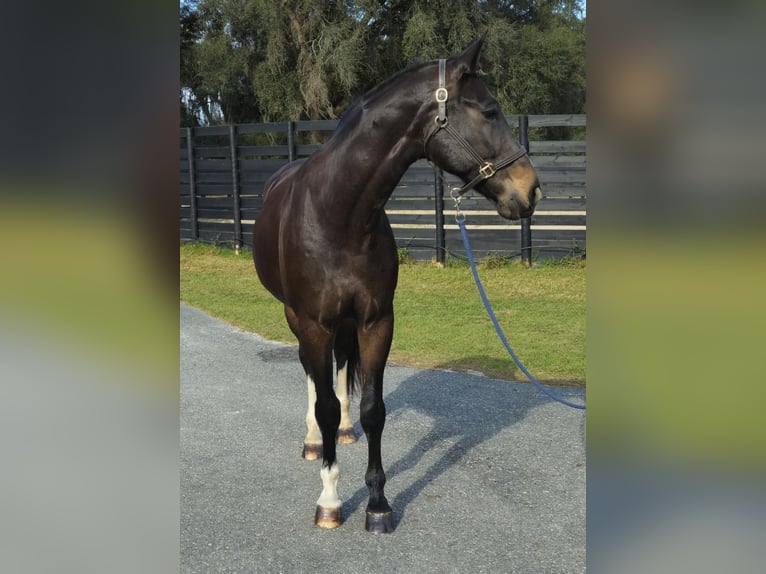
{"x": 526, "y": 228}
{"x": 235, "y": 188}
{"x": 290, "y": 141}
{"x": 439, "y": 193}
{"x": 192, "y": 183}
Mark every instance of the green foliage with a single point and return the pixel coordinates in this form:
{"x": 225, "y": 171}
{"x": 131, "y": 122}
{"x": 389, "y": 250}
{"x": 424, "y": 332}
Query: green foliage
{"x": 495, "y": 260}
{"x": 404, "y": 256}
{"x": 570, "y": 261}
{"x": 260, "y": 60}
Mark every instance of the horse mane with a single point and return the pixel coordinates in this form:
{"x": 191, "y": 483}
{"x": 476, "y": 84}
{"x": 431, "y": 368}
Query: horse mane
{"x": 364, "y": 100}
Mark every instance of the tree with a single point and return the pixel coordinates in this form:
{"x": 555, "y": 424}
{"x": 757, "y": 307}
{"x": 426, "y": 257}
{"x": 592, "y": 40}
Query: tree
{"x": 190, "y": 33}
{"x": 534, "y": 58}
{"x": 265, "y": 60}
{"x": 216, "y": 61}
{"x": 313, "y": 58}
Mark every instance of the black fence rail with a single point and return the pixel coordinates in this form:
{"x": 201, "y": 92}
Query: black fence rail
{"x": 224, "y": 168}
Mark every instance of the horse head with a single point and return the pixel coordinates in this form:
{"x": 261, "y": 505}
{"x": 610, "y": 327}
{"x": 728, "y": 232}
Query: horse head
{"x": 469, "y": 137}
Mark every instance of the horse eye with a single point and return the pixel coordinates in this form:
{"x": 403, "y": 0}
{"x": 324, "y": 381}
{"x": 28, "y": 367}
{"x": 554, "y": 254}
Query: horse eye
{"x": 490, "y": 114}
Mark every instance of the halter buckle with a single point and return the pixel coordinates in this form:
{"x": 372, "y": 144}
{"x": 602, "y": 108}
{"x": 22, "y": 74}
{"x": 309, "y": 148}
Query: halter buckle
{"x": 487, "y": 170}
{"x": 441, "y": 98}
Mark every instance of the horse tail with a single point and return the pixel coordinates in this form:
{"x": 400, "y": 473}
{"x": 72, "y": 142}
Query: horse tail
{"x": 347, "y": 352}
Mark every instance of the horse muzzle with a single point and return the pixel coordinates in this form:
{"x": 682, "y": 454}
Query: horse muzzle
{"x": 514, "y": 205}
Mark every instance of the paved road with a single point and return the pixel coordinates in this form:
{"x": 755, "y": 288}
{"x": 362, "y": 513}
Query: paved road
{"x": 483, "y": 475}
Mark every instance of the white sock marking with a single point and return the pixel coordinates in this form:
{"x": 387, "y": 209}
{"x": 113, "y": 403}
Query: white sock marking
{"x": 313, "y": 436}
{"x": 329, "y": 497}
{"x": 342, "y": 394}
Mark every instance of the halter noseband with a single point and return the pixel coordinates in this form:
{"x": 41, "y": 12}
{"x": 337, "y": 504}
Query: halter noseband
{"x": 486, "y": 169}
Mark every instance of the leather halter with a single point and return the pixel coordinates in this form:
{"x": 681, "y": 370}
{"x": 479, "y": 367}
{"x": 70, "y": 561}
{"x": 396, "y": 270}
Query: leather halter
{"x": 486, "y": 168}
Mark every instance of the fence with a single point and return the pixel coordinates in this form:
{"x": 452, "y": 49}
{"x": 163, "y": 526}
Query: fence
{"x": 224, "y": 168}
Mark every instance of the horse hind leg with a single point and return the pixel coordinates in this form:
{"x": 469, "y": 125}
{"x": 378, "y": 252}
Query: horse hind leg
{"x": 347, "y": 360}
{"x": 346, "y": 434}
{"x": 312, "y": 444}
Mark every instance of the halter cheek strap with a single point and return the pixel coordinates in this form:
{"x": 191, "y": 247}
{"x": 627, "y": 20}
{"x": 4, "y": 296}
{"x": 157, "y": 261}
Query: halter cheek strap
{"x": 441, "y": 93}
{"x": 486, "y": 169}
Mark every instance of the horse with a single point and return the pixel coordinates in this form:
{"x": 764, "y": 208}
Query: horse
{"x": 323, "y": 246}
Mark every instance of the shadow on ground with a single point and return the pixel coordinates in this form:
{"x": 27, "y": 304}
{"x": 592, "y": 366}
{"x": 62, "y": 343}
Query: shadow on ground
{"x": 464, "y": 414}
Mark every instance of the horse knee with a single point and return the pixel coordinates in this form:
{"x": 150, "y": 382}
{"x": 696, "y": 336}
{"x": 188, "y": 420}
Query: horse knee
{"x": 372, "y": 414}
{"x": 327, "y": 413}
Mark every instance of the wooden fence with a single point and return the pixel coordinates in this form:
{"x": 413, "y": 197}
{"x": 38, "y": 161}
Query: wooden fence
{"x": 224, "y": 168}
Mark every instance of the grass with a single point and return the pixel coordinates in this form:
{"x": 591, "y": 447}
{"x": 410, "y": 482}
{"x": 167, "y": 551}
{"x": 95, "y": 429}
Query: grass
{"x": 440, "y": 320}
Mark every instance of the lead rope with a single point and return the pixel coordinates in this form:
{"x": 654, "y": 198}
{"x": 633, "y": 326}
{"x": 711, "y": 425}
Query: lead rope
{"x": 460, "y": 218}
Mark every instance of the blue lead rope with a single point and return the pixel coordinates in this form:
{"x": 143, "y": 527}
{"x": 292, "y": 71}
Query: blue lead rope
{"x": 542, "y": 389}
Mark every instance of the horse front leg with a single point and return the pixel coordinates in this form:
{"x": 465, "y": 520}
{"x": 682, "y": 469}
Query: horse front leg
{"x": 312, "y": 443}
{"x": 375, "y": 343}
{"x": 315, "y": 351}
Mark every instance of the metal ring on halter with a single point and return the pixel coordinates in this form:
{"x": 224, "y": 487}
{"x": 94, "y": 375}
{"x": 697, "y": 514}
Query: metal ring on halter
{"x": 454, "y": 193}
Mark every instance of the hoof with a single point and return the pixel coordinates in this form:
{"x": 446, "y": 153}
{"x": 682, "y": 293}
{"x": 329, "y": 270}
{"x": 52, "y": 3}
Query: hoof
{"x": 327, "y": 517}
{"x": 346, "y": 436}
{"x": 312, "y": 451}
{"x": 379, "y": 522}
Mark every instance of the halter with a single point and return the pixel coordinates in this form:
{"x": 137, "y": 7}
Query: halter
{"x": 486, "y": 169}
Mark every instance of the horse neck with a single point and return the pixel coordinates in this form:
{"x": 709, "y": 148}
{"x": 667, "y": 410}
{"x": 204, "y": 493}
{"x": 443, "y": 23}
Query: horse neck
{"x": 371, "y": 151}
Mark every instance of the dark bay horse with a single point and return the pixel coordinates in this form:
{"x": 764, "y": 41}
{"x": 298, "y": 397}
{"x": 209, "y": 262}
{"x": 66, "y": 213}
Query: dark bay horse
{"x": 323, "y": 246}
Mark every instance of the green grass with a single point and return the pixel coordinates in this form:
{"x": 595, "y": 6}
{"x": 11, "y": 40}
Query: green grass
{"x": 440, "y": 319}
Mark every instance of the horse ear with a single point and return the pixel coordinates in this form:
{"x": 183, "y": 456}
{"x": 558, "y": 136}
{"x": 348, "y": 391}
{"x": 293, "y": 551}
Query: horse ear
{"x": 468, "y": 61}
